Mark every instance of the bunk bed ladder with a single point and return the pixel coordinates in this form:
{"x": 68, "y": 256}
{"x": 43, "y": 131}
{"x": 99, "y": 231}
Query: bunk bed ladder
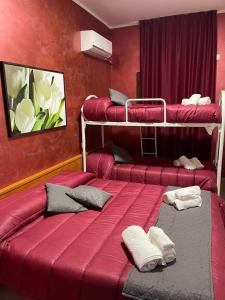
{"x": 153, "y": 139}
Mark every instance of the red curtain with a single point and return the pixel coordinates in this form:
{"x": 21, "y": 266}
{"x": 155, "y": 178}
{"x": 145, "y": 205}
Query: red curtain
{"x": 178, "y": 59}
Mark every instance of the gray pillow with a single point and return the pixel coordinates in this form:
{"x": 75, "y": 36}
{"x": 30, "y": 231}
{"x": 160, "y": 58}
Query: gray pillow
{"x": 59, "y": 202}
{"x": 89, "y": 196}
{"x": 121, "y": 155}
{"x": 118, "y": 98}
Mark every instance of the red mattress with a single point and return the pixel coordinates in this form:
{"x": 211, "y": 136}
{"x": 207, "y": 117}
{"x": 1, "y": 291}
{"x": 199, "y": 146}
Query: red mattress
{"x": 80, "y": 256}
{"x": 102, "y": 109}
{"x": 150, "y": 170}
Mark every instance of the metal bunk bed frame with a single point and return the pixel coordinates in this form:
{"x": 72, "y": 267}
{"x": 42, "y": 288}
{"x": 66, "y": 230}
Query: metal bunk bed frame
{"x": 164, "y": 123}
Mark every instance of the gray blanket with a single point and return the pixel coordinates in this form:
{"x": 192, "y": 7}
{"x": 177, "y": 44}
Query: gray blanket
{"x": 190, "y": 277}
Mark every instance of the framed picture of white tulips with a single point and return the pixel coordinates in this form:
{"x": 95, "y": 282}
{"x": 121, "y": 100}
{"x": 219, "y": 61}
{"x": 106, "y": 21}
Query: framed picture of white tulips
{"x": 34, "y": 99}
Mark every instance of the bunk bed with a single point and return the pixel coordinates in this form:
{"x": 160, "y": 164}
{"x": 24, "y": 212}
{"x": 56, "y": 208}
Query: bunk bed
{"x": 102, "y": 112}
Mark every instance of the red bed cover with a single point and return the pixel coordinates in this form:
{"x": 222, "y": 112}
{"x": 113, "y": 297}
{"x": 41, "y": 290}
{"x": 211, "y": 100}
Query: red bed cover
{"x": 80, "y": 256}
{"x": 102, "y": 109}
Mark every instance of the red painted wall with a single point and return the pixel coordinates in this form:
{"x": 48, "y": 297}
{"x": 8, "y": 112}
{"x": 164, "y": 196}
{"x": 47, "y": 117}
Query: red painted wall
{"x": 125, "y": 59}
{"x": 126, "y": 63}
{"x": 45, "y": 34}
{"x": 220, "y": 73}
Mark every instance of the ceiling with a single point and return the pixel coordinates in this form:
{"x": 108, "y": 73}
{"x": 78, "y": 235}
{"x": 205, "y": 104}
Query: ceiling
{"x": 120, "y": 13}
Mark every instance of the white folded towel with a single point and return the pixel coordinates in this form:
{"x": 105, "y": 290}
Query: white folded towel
{"x": 204, "y": 101}
{"x": 169, "y": 197}
{"x": 194, "y": 202}
{"x": 169, "y": 256}
{"x": 186, "y": 163}
{"x": 146, "y": 255}
{"x": 197, "y": 163}
{"x": 187, "y": 193}
{"x": 185, "y": 101}
{"x": 161, "y": 240}
{"x": 194, "y": 99}
{"x": 176, "y": 163}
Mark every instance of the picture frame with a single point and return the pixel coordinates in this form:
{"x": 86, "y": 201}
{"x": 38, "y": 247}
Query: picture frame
{"x": 34, "y": 99}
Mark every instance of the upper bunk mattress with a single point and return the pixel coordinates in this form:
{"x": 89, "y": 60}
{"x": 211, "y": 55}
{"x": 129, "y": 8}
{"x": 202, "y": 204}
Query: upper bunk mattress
{"x": 102, "y": 110}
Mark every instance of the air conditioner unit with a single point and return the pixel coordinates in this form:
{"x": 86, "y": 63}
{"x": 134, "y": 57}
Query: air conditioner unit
{"x": 96, "y": 45}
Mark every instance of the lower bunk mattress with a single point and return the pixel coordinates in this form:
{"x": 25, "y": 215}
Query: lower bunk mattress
{"x": 81, "y": 256}
{"x": 150, "y": 170}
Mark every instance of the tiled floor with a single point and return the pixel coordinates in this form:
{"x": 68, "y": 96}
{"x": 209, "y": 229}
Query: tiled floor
{"x": 223, "y": 187}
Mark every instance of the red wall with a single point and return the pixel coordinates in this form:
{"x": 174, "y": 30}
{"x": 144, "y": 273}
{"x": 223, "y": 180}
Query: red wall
{"x": 126, "y": 63}
{"x": 45, "y": 34}
{"x": 220, "y": 74}
{"x": 125, "y": 59}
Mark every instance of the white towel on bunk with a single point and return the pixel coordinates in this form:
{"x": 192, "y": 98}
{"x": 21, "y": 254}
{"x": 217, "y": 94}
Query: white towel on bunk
{"x": 161, "y": 240}
{"x": 197, "y": 163}
{"x": 204, "y": 101}
{"x": 146, "y": 255}
{"x": 194, "y": 202}
{"x": 193, "y": 100}
{"x": 185, "y": 101}
{"x": 176, "y": 163}
{"x": 186, "y": 163}
{"x": 187, "y": 193}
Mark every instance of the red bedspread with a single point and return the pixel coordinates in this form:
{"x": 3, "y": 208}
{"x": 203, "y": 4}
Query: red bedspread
{"x": 150, "y": 170}
{"x": 102, "y": 109}
{"x": 80, "y": 256}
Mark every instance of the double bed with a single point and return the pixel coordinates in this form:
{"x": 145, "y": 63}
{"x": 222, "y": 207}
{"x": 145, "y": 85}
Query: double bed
{"x": 81, "y": 256}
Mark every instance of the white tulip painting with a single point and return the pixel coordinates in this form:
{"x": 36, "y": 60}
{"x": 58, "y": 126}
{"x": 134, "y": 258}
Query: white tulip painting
{"x": 35, "y": 99}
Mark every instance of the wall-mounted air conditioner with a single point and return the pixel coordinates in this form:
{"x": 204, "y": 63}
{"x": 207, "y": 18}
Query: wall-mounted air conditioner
{"x": 96, "y": 45}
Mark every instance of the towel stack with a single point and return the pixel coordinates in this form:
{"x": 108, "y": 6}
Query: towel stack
{"x": 158, "y": 238}
{"x": 148, "y": 250}
{"x": 189, "y": 164}
{"x": 196, "y": 99}
{"x": 184, "y": 198}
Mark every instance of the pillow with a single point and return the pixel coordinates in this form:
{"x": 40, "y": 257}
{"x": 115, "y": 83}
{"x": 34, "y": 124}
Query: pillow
{"x": 121, "y": 155}
{"x": 89, "y": 196}
{"x": 118, "y": 98}
{"x": 59, "y": 202}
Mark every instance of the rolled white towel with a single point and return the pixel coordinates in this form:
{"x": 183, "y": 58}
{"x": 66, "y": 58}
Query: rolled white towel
{"x": 185, "y": 101}
{"x": 161, "y": 240}
{"x": 194, "y": 99}
{"x": 176, "y": 163}
{"x": 146, "y": 255}
{"x": 194, "y": 202}
{"x": 169, "y": 256}
{"x": 186, "y": 163}
{"x": 187, "y": 193}
{"x": 204, "y": 101}
{"x": 197, "y": 163}
{"x": 169, "y": 197}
